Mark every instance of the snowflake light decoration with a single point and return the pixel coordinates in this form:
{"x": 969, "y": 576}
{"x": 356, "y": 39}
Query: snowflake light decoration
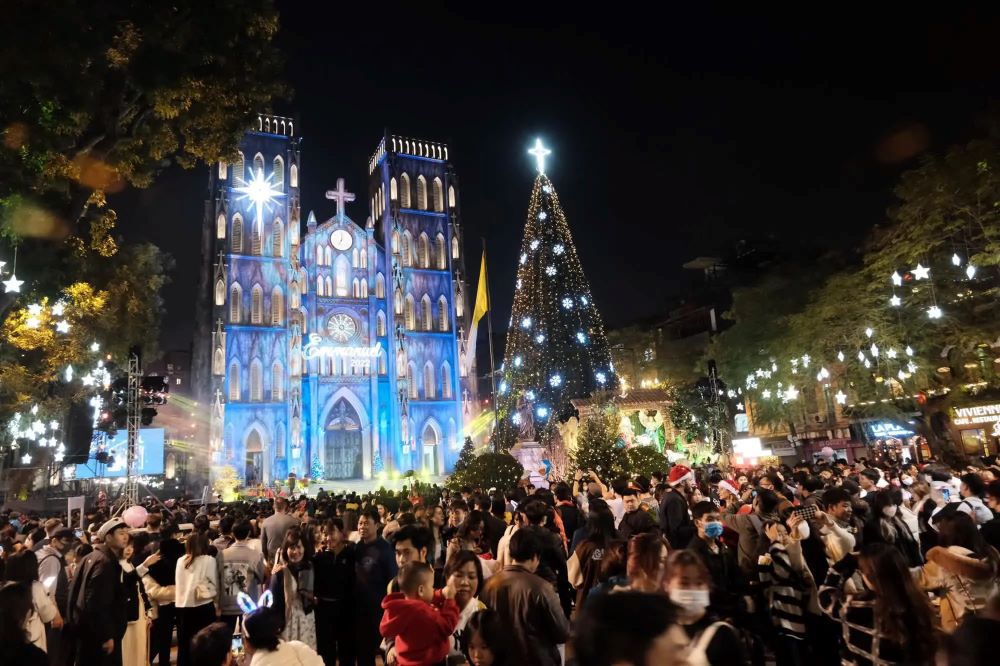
{"x": 567, "y": 303}
{"x": 550, "y": 270}
{"x": 558, "y": 248}
{"x": 555, "y": 380}
{"x": 534, "y": 244}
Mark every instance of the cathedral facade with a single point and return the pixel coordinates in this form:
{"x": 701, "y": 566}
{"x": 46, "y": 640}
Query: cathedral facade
{"x": 333, "y": 349}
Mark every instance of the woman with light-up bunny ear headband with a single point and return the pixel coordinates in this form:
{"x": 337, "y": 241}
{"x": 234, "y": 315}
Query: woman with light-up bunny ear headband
{"x": 262, "y": 627}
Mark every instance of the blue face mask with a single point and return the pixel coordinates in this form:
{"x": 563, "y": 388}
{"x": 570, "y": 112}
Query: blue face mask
{"x": 713, "y": 530}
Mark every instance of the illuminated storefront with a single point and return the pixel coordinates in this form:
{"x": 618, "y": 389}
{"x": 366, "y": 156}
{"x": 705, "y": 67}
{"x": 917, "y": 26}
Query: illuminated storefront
{"x": 977, "y": 428}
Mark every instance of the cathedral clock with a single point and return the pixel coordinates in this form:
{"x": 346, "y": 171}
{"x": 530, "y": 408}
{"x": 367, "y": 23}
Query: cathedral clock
{"x": 342, "y": 327}
{"x": 341, "y": 240}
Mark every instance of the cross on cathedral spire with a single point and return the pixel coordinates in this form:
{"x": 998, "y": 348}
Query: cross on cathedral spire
{"x": 341, "y": 196}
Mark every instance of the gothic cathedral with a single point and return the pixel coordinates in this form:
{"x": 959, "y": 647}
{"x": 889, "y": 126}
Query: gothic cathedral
{"x": 334, "y": 351}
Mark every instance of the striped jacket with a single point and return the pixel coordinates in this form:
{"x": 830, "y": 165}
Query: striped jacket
{"x": 863, "y": 643}
{"x": 785, "y": 589}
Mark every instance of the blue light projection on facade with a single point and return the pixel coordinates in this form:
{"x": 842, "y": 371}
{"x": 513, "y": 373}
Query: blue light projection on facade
{"x": 341, "y": 347}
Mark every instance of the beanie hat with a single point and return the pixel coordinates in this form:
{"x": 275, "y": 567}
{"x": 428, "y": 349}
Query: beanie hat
{"x": 727, "y": 486}
{"x": 679, "y": 473}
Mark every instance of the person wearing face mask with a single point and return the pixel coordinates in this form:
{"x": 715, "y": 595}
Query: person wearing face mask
{"x": 713, "y": 642}
{"x": 717, "y": 558}
{"x": 886, "y": 526}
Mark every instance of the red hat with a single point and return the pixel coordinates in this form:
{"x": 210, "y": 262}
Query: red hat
{"x": 679, "y": 473}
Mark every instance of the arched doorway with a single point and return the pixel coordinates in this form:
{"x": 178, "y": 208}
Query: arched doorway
{"x": 429, "y": 449}
{"x": 343, "y": 442}
{"x": 254, "y": 463}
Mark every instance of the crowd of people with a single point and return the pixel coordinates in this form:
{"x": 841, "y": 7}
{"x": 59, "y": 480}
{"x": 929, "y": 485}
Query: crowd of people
{"x": 820, "y": 563}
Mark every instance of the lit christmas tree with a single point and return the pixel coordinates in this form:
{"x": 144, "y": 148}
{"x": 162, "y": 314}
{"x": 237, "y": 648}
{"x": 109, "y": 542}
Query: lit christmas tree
{"x": 556, "y": 347}
{"x": 317, "y": 469}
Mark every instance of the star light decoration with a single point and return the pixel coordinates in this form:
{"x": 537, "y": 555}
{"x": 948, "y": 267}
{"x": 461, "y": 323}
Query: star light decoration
{"x": 921, "y": 272}
{"x": 841, "y": 398}
{"x": 13, "y": 286}
{"x": 895, "y": 301}
{"x": 260, "y": 191}
{"x": 934, "y": 312}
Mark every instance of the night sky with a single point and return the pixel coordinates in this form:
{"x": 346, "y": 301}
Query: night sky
{"x": 674, "y": 135}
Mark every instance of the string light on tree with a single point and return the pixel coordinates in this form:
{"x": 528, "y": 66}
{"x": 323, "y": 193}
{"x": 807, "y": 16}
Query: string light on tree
{"x": 934, "y": 312}
{"x": 970, "y": 271}
{"x": 956, "y": 260}
{"x": 840, "y": 356}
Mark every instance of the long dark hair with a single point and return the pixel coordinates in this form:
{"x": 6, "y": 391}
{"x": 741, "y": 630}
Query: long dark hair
{"x": 902, "y": 612}
{"x": 959, "y": 529}
{"x": 600, "y": 526}
{"x": 22, "y": 567}
{"x": 15, "y": 605}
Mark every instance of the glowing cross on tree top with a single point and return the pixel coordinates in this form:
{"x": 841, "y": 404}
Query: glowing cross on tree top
{"x": 341, "y": 196}
{"x": 540, "y": 151}
{"x": 260, "y": 191}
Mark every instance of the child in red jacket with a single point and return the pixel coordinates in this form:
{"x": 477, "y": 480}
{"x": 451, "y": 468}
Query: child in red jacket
{"x": 421, "y": 630}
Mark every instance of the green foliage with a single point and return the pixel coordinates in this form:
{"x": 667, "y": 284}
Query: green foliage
{"x": 597, "y": 444}
{"x": 95, "y": 95}
{"x": 465, "y": 456}
{"x": 644, "y": 460}
{"x": 489, "y": 470}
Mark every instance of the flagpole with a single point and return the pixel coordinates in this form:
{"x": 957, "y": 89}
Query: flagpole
{"x": 489, "y": 328}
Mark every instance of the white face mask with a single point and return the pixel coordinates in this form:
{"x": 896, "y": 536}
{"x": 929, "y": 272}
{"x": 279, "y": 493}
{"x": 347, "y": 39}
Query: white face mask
{"x": 889, "y": 511}
{"x": 803, "y": 529}
{"x": 692, "y": 601}
{"x": 907, "y": 481}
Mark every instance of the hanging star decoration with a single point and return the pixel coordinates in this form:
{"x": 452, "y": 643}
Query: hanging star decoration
{"x": 841, "y": 398}
{"x": 921, "y": 272}
{"x": 12, "y": 285}
{"x": 934, "y": 312}
{"x": 897, "y": 279}
{"x": 895, "y": 301}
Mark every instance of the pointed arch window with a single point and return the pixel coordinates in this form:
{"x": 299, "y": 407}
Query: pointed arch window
{"x": 451, "y": 196}
{"x": 258, "y": 164}
{"x": 380, "y": 324}
{"x": 342, "y": 271}
{"x": 237, "y": 243}
{"x": 411, "y": 381}
{"x": 446, "y": 381}
{"x": 278, "y": 179}
{"x": 223, "y": 169}
{"x": 256, "y": 305}
{"x": 438, "y": 195}
{"x": 327, "y": 256}
{"x": 256, "y": 381}
{"x": 411, "y": 316}
{"x": 218, "y": 361}
{"x": 426, "y": 316}
{"x": 235, "y": 304}
{"x": 430, "y": 382}
{"x": 220, "y": 292}
{"x": 407, "y": 243}
{"x": 234, "y": 381}
{"x": 293, "y": 175}
{"x": 442, "y": 314}
{"x": 400, "y": 364}
{"x": 379, "y": 286}
{"x": 398, "y": 301}
{"x": 395, "y": 242}
{"x": 364, "y": 287}
{"x": 296, "y": 363}
{"x": 239, "y": 168}
{"x": 452, "y": 434}
{"x": 421, "y": 192}
{"x": 355, "y": 259}
{"x": 278, "y": 239}
{"x": 454, "y": 246}
{"x": 382, "y": 363}
{"x": 277, "y": 307}
{"x": 424, "y": 251}
{"x": 277, "y": 383}
{"x": 329, "y": 287}
{"x": 462, "y": 370}
{"x": 294, "y": 299}
{"x": 356, "y": 288}
{"x": 256, "y": 243}
{"x": 393, "y": 190}
{"x": 364, "y": 257}
{"x": 319, "y": 255}
{"x": 404, "y": 190}
{"x": 319, "y": 285}
{"x": 442, "y": 253}
{"x": 220, "y": 226}
{"x": 459, "y": 302}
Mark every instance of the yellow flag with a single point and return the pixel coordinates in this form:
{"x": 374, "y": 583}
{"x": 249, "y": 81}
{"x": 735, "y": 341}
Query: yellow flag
{"x": 482, "y": 304}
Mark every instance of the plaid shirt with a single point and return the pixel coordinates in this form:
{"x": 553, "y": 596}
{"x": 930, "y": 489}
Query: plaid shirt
{"x": 864, "y": 643}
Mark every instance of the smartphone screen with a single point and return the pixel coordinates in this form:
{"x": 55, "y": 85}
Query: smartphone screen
{"x": 946, "y": 493}
{"x": 237, "y": 646}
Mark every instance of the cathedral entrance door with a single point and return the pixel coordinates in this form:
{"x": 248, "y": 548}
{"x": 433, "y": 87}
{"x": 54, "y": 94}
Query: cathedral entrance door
{"x": 254, "y": 458}
{"x": 430, "y": 444}
{"x": 343, "y": 443}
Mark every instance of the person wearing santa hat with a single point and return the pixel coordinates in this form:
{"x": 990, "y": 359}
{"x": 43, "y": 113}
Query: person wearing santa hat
{"x": 730, "y": 495}
{"x": 675, "y": 519}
